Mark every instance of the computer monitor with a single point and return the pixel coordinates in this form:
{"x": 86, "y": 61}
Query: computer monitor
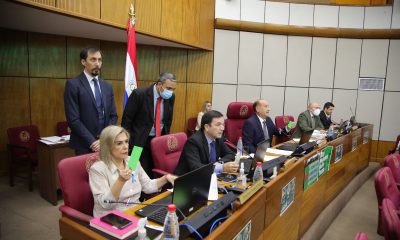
{"x": 306, "y": 136}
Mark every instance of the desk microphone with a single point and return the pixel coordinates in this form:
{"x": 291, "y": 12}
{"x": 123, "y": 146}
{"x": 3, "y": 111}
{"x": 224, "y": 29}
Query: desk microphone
{"x": 145, "y": 204}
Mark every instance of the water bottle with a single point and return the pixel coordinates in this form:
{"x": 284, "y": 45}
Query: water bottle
{"x": 241, "y": 179}
{"x": 171, "y": 224}
{"x": 142, "y": 232}
{"x": 239, "y": 147}
{"x": 258, "y": 173}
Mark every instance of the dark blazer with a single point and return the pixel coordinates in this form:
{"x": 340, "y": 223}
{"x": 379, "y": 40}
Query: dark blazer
{"x": 138, "y": 116}
{"x": 196, "y": 153}
{"x": 252, "y": 132}
{"x": 325, "y": 120}
{"x": 81, "y": 111}
{"x": 304, "y": 124}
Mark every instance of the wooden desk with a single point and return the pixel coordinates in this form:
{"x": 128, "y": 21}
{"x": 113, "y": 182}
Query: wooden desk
{"x": 48, "y": 158}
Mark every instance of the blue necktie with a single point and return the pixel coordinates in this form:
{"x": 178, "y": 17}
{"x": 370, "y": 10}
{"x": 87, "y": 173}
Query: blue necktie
{"x": 213, "y": 154}
{"x": 99, "y": 105}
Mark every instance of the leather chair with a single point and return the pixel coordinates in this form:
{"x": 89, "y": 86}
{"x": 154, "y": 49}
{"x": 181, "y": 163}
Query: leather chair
{"x": 63, "y": 129}
{"x": 385, "y": 187}
{"x": 191, "y": 126}
{"x": 392, "y": 161}
{"x": 391, "y": 221}
{"x": 361, "y": 236}
{"x": 393, "y": 150}
{"x": 166, "y": 151}
{"x": 281, "y": 122}
{"x": 22, "y": 149}
{"x": 236, "y": 113}
{"x": 74, "y": 182}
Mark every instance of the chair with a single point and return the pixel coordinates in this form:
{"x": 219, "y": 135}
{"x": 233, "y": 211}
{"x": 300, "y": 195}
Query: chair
{"x": 393, "y": 162}
{"x": 360, "y": 236}
{"x": 393, "y": 150}
{"x": 74, "y": 182}
{"x": 236, "y": 113}
{"x": 281, "y": 122}
{"x": 22, "y": 149}
{"x": 63, "y": 129}
{"x": 391, "y": 221}
{"x": 385, "y": 187}
{"x": 191, "y": 126}
{"x": 166, "y": 151}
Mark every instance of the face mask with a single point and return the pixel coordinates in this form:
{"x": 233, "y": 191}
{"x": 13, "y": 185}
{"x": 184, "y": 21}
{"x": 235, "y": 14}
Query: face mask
{"x": 166, "y": 94}
{"x": 316, "y": 112}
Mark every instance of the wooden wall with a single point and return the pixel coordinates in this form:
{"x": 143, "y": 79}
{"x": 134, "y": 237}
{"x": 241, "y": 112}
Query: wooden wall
{"x": 34, "y": 68}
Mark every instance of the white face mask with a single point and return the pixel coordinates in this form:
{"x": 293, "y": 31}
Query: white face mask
{"x": 316, "y": 112}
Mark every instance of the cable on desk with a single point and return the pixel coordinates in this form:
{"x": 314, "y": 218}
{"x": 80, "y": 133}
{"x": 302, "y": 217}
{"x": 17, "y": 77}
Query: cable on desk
{"x": 216, "y": 221}
{"x": 193, "y": 229}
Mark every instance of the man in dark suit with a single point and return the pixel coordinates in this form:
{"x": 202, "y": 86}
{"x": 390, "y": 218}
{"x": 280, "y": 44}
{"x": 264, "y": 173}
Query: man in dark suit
{"x": 326, "y": 114}
{"x": 309, "y": 120}
{"x": 258, "y": 127}
{"x": 148, "y": 113}
{"x": 207, "y": 146}
{"x": 89, "y": 104}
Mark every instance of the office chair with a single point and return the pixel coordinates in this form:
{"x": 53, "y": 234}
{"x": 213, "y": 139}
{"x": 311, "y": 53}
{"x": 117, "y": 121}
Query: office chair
{"x": 392, "y": 161}
{"x": 63, "y": 129}
{"x": 385, "y": 187}
{"x": 22, "y": 149}
{"x": 390, "y": 219}
{"x": 236, "y": 113}
{"x": 74, "y": 182}
{"x": 282, "y": 121}
{"x": 166, "y": 151}
{"x": 191, "y": 126}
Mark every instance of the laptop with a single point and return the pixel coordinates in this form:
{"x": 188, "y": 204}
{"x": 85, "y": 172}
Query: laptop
{"x": 305, "y": 138}
{"x": 190, "y": 193}
{"x": 251, "y": 163}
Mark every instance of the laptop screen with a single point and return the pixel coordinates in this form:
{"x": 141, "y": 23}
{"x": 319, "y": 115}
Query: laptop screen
{"x": 306, "y": 136}
{"x": 191, "y": 189}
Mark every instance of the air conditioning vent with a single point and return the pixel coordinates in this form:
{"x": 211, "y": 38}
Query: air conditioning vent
{"x": 371, "y": 84}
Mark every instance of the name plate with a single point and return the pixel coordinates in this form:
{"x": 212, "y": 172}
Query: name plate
{"x": 250, "y": 191}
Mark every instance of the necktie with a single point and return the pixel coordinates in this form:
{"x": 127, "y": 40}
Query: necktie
{"x": 313, "y": 121}
{"x": 157, "y": 124}
{"x": 99, "y": 104}
{"x": 265, "y": 130}
{"x": 213, "y": 154}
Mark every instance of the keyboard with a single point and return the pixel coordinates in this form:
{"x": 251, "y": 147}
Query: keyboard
{"x": 288, "y": 147}
{"x": 159, "y": 215}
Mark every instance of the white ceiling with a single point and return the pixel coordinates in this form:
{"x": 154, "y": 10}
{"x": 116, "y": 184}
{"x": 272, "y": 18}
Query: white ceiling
{"x": 25, "y": 18}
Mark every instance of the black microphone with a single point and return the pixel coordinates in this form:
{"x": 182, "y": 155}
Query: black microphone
{"x": 145, "y": 204}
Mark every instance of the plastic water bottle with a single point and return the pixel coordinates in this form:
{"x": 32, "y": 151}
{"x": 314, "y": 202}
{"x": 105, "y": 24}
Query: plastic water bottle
{"x": 142, "y": 232}
{"x": 171, "y": 224}
{"x": 241, "y": 179}
{"x": 258, "y": 173}
{"x": 239, "y": 147}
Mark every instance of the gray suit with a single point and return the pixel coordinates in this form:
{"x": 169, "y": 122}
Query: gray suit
{"x": 304, "y": 123}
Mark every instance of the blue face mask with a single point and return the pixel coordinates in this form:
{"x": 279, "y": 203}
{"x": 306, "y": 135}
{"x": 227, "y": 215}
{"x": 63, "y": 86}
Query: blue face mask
{"x": 166, "y": 94}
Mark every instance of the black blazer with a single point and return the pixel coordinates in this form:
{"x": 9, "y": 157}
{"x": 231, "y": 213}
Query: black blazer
{"x": 325, "y": 120}
{"x": 252, "y": 132}
{"x": 195, "y": 153}
{"x": 81, "y": 111}
{"x": 138, "y": 116}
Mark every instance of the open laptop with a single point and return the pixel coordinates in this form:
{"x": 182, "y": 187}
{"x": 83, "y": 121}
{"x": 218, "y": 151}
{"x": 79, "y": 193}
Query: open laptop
{"x": 258, "y": 156}
{"x": 305, "y": 138}
{"x": 190, "y": 193}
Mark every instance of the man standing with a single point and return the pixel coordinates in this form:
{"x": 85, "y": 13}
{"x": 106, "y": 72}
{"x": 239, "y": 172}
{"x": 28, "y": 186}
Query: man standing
{"x": 89, "y": 104}
{"x": 259, "y": 126}
{"x": 309, "y": 120}
{"x": 207, "y": 146}
{"x": 148, "y": 114}
{"x": 326, "y": 114}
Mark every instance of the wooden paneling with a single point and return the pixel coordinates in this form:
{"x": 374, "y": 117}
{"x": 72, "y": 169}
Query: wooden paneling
{"x": 383, "y": 149}
{"x": 74, "y": 47}
{"x": 148, "y": 59}
{"x": 200, "y": 66}
{"x": 119, "y": 90}
{"x": 174, "y": 60}
{"x": 191, "y": 18}
{"x": 172, "y": 19}
{"x": 115, "y": 11}
{"x": 47, "y": 56}
{"x": 196, "y": 94}
{"x": 90, "y": 8}
{"x": 13, "y": 53}
{"x": 179, "y": 118}
{"x": 207, "y": 10}
{"x": 374, "y": 149}
{"x": 46, "y": 2}
{"x": 353, "y": 2}
{"x": 14, "y": 103}
{"x": 114, "y": 57}
{"x": 47, "y": 107}
{"x": 148, "y": 16}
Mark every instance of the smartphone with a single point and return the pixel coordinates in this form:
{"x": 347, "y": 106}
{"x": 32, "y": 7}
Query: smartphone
{"x": 116, "y": 221}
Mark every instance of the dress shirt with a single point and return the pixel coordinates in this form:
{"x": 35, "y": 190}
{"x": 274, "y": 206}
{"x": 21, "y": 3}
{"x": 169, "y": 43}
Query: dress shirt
{"x": 91, "y": 83}
{"x": 156, "y": 95}
{"x": 219, "y": 167}
{"x": 103, "y": 177}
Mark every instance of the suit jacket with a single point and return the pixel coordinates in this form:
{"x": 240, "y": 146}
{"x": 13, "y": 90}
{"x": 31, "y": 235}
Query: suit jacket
{"x": 252, "y": 132}
{"x": 325, "y": 120}
{"x": 304, "y": 124}
{"x": 81, "y": 111}
{"x": 138, "y": 116}
{"x": 195, "y": 153}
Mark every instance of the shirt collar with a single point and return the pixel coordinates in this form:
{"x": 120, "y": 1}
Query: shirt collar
{"x": 209, "y": 140}
{"x": 261, "y": 119}
{"x": 88, "y": 77}
{"x": 156, "y": 95}
{"x": 113, "y": 168}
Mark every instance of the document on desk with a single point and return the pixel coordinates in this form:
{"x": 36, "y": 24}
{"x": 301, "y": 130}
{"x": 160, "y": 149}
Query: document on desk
{"x": 278, "y": 152}
{"x": 52, "y": 140}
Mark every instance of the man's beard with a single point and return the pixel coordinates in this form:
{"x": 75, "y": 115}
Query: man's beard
{"x": 96, "y": 71}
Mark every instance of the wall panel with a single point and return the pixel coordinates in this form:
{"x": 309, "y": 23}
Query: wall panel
{"x": 343, "y": 101}
{"x": 252, "y": 11}
{"x": 320, "y": 95}
{"x": 222, "y": 95}
{"x": 172, "y": 18}
{"x": 207, "y": 9}
{"x": 74, "y": 47}
{"x": 248, "y": 93}
{"x": 191, "y": 20}
{"x": 179, "y": 118}
{"x": 351, "y": 17}
{"x": 366, "y": 101}
{"x": 298, "y": 61}
{"x": 148, "y": 16}
{"x": 295, "y": 101}
{"x": 174, "y": 60}
{"x": 196, "y": 94}
{"x": 277, "y": 13}
{"x": 347, "y": 63}
{"x": 89, "y": 8}
{"x": 390, "y": 117}
{"x": 393, "y": 70}
{"x": 148, "y": 59}
{"x": 323, "y": 62}
{"x": 326, "y": 16}
{"x": 374, "y": 58}
{"x": 226, "y": 56}
{"x": 114, "y": 57}
{"x": 119, "y": 89}
{"x": 250, "y": 58}
{"x": 275, "y": 97}
{"x": 116, "y": 12}
{"x": 274, "y": 60}
{"x": 200, "y": 66}
{"x": 13, "y": 53}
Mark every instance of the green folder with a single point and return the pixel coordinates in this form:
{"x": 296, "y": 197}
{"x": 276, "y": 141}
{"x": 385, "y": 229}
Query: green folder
{"x": 134, "y": 159}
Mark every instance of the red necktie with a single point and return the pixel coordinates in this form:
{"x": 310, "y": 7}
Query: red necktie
{"x": 157, "y": 124}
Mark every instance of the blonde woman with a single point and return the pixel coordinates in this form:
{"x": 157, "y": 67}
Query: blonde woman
{"x": 111, "y": 179}
{"x": 207, "y": 106}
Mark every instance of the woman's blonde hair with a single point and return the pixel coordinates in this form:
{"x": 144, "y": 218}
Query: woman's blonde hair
{"x": 107, "y": 138}
{"x": 203, "y": 109}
